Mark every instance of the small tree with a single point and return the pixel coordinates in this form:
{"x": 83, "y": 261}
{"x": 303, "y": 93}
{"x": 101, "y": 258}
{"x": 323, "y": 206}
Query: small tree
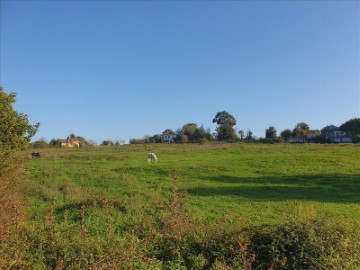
{"x": 168, "y": 131}
{"x": 184, "y": 139}
{"x": 286, "y": 134}
{"x": 270, "y": 133}
{"x": 107, "y": 143}
{"x": 241, "y": 134}
{"x": 225, "y": 130}
{"x": 249, "y": 136}
{"x": 190, "y": 130}
{"x": 301, "y": 130}
{"x": 41, "y": 143}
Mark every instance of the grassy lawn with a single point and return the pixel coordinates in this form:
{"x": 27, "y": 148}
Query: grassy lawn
{"x": 257, "y": 183}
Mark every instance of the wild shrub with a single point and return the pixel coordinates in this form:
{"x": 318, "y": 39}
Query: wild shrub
{"x": 313, "y": 244}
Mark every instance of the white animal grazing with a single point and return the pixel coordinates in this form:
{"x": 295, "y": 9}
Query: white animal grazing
{"x": 152, "y": 158}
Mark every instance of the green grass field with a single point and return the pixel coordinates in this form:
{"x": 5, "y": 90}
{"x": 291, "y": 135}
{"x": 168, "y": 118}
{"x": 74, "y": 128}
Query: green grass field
{"x": 259, "y": 183}
{"x": 201, "y": 206}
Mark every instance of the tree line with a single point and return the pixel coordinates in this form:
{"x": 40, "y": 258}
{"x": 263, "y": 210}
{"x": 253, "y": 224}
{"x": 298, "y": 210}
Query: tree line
{"x": 225, "y": 131}
{"x": 16, "y": 132}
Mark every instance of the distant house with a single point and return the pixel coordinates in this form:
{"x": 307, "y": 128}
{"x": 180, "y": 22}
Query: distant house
{"x": 334, "y": 134}
{"x": 167, "y": 137}
{"x": 327, "y": 131}
{"x": 297, "y": 140}
{"x": 69, "y": 142}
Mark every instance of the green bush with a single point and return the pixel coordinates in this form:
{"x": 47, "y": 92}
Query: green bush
{"x": 315, "y": 244}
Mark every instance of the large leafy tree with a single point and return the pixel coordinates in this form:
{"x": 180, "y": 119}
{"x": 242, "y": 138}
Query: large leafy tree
{"x": 15, "y": 130}
{"x": 351, "y": 127}
{"x": 224, "y": 118}
{"x": 301, "y": 129}
{"x": 225, "y": 130}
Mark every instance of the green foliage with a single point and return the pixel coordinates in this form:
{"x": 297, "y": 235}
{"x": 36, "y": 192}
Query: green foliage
{"x": 225, "y": 133}
{"x": 155, "y": 139}
{"x": 108, "y": 143}
{"x": 41, "y": 143}
{"x": 300, "y": 130}
{"x": 224, "y": 118}
{"x": 286, "y": 134}
{"x": 310, "y": 244}
{"x": 193, "y": 133}
{"x": 55, "y": 142}
{"x": 137, "y": 141}
{"x": 249, "y": 136}
{"x": 189, "y": 130}
{"x": 168, "y": 131}
{"x": 351, "y": 127}
{"x": 184, "y": 139}
{"x": 15, "y": 130}
{"x": 241, "y": 134}
{"x": 270, "y": 133}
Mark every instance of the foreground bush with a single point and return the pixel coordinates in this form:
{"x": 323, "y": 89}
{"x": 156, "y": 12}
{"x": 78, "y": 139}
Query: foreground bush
{"x": 314, "y": 244}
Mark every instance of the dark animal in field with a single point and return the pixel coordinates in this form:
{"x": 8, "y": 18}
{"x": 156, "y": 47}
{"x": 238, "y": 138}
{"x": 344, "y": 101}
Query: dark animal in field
{"x": 35, "y": 155}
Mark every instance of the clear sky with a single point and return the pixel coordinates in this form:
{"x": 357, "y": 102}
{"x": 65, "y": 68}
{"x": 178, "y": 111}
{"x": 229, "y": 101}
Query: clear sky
{"x": 121, "y": 69}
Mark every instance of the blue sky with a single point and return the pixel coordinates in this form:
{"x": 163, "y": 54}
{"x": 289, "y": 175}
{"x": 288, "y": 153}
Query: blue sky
{"x": 121, "y": 69}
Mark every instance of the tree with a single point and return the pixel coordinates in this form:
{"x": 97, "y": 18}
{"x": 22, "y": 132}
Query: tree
{"x": 92, "y": 143}
{"x": 41, "y": 143}
{"x": 55, "y": 142}
{"x": 225, "y": 133}
{"x": 83, "y": 141}
{"x": 351, "y": 127}
{"x": 107, "y": 143}
{"x": 224, "y": 118}
{"x": 301, "y": 129}
{"x": 249, "y": 136}
{"x": 15, "y": 130}
{"x": 286, "y": 134}
{"x": 241, "y": 134}
{"x": 189, "y": 130}
{"x": 225, "y": 130}
{"x": 270, "y": 133}
{"x": 168, "y": 131}
{"x": 193, "y": 133}
{"x": 302, "y": 125}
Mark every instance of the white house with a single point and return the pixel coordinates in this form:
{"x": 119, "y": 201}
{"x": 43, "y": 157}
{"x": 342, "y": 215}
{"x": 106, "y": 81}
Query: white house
{"x": 334, "y": 134}
{"x": 167, "y": 137}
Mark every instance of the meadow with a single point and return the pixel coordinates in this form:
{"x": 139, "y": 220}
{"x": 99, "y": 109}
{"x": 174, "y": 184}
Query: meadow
{"x": 201, "y": 206}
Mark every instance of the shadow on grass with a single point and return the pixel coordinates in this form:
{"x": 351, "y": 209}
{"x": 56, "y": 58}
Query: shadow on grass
{"x": 338, "y": 188}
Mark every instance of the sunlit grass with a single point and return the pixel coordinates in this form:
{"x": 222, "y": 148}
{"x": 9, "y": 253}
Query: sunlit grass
{"x": 261, "y": 183}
